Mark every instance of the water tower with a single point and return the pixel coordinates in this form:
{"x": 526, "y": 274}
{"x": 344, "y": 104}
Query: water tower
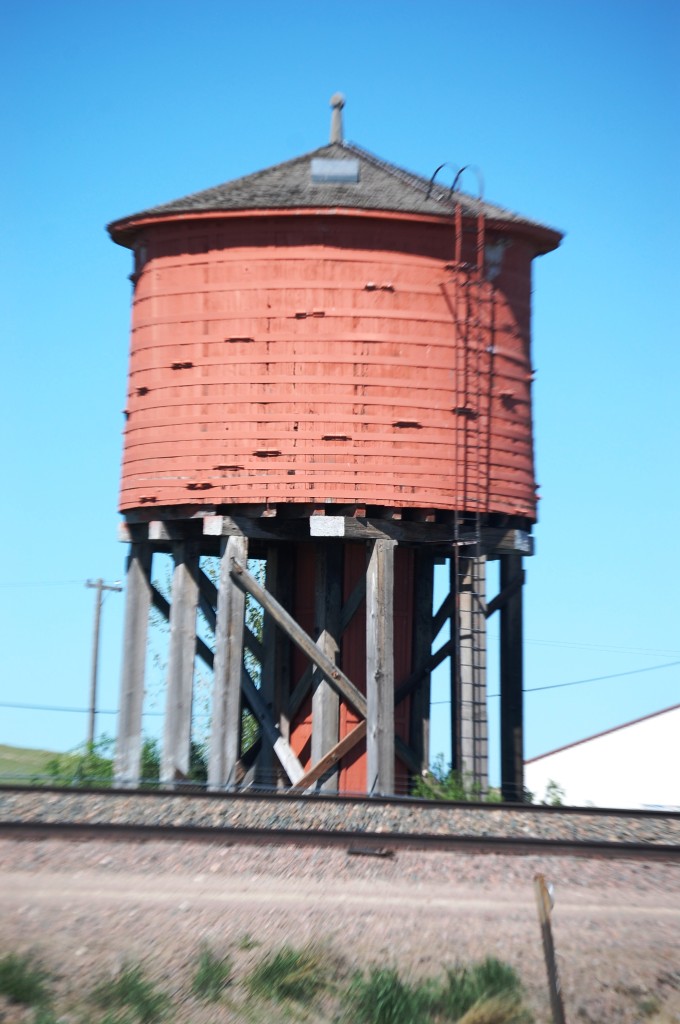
{"x": 330, "y": 371}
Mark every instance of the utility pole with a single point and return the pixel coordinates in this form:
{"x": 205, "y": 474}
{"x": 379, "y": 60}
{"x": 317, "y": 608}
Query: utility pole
{"x": 99, "y": 586}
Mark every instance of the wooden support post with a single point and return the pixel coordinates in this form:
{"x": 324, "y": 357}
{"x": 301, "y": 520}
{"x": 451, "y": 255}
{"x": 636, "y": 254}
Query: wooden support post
{"x": 450, "y": 603}
{"x": 265, "y": 772}
{"x": 380, "y": 669}
{"x": 225, "y": 733}
{"x": 137, "y": 605}
{"x": 512, "y": 711}
{"x": 328, "y": 608}
{"x": 281, "y": 642}
{"x": 176, "y": 754}
{"x": 472, "y": 737}
{"x": 419, "y": 728}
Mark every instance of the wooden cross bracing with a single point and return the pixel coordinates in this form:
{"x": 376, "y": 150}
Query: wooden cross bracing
{"x": 276, "y": 699}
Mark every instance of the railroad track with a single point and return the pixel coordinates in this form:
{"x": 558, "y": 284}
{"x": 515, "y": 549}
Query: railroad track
{"x": 364, "y": 826}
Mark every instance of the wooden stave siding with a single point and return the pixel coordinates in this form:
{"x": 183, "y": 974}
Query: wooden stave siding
{"x": 375, "y": 357}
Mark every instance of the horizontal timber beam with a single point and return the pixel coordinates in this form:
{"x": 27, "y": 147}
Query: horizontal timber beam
{"x": 491, "y": 541}
{"x": 358, "y": 528}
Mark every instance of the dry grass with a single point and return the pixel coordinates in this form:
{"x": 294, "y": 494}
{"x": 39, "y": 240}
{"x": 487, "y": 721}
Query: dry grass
{"x": 504, "y": 1009}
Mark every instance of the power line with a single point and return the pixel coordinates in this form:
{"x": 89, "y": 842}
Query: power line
{"x": 650, "y": 652}
{"x": 42, "y": 583}
{"x": 580, "y": 682}
{"x": 597, "y": 679}
{"x": 76, "y": 711}
{"x": 530, "y": 689}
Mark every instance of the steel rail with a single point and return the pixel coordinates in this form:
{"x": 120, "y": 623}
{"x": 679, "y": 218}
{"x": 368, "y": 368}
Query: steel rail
{"x": 380, "y": 844}
{"x": 77, "y": 822}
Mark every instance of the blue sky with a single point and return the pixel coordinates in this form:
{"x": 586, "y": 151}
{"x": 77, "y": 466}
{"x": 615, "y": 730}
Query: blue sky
{"x": 571, "y": 110}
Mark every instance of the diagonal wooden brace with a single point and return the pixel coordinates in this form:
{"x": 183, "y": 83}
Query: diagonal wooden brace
{"x": 307, "y": 679}
{"x": 334, "y": 755}
{"x": 262, "y": 712}
{"x": 338, "y": 680}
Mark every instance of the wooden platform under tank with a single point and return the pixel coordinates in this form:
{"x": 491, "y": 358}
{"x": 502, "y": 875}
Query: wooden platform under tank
{"x": 344, "y": 657}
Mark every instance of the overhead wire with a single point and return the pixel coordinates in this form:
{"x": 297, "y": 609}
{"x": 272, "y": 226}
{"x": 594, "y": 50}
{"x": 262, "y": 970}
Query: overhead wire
{"x": 581, "y": 682}
{"x": 40, "y": 583}
{"x": 76, "y": 711}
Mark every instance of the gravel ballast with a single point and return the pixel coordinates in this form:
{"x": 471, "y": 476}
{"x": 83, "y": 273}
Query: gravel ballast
{"x": 360, "y": 817}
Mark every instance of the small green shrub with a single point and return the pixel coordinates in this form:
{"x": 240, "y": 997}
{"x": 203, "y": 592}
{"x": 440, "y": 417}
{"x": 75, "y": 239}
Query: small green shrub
{"x": 88, "y": 765}
{"x": 466, "y": 987}
{"x": 383, "y": 998}
{"x": 92, "y": 765}
{"x": 247, "y": 942}
{"x": 554, "y": 794}
{"x": 297, "y": 974}
{"x": 44, "y": 1015}
{"x": 444, "y": 782}
{"x": 23, "y": 980}
{"x": 132, "y": 992}
{"x": 211, "y": 977}
{"x": 198, "y": 762}
{"x": 150, "y": 768}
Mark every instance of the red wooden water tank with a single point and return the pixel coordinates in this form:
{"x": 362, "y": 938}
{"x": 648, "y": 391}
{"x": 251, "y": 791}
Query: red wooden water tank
{"x": 331, "y": 331}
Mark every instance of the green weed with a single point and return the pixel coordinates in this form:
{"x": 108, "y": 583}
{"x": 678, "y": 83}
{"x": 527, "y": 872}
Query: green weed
{"x": 468, "y": 989}
{"x": 297, "y": 974}
{"x": 23, "y": 980}
{"x": 444, "y": 782}
{"x": 212, "y": 976}
{"x": 554, "y": 794}
{"x": 88, "y": 765}
{"x": 131, "y": 992}
{"x": 44, "y": 1015}
{"x": 486, "y": 993}
{"x": 383, "y": 998}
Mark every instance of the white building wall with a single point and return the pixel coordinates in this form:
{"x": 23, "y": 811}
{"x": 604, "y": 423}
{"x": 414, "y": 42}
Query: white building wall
{"x": 636, "y": 766}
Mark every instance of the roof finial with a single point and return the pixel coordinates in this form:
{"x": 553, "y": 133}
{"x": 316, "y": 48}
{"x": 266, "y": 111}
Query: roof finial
{"x": 337, "y": 103}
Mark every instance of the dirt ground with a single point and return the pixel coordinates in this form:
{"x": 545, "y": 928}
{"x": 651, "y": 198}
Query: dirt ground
{"x": 87, "y": 907}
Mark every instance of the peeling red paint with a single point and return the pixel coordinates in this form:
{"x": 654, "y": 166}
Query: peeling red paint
{"x": 328, "y": 359}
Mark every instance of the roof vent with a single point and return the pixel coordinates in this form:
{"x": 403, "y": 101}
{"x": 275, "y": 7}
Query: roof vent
{"x": 337, "y": 103}
{"x": 325, "y": 171}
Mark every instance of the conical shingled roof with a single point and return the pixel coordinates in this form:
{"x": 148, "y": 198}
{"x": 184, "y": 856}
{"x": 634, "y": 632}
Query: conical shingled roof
{"x": 380, "y": 186}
